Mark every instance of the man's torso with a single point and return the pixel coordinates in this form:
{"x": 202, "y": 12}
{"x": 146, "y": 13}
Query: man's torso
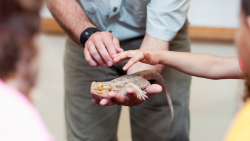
{"x": 126, "y": 19}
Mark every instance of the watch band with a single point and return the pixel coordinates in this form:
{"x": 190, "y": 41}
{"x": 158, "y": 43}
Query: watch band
{"x": 86, "y": 34}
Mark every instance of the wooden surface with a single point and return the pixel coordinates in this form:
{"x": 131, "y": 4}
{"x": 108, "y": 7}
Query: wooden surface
{"x": 207, "y": 33}
{"x": 50, "y": 26}
{"x": 203, "y": 33}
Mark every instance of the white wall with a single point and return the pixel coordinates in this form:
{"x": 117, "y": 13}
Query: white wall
{"x": 45, "y": 12}
{"x": 206, "y": 13}
{"x": 214, "y": 13}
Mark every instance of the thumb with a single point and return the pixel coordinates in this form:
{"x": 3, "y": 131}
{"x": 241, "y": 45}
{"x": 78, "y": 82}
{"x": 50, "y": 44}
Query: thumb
{"x": 153, "y": 89}
{"x": 147, "y": 56}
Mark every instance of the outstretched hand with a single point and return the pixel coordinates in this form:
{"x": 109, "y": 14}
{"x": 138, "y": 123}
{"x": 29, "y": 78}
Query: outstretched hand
{"x": 148, "y": 57}
{"x": 128, "y": 100}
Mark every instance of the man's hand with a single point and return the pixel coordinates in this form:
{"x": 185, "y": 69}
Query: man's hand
{"x": 100, "y": 49}
{"x": 148, "y": 57}
{"x": 130, "y": 99}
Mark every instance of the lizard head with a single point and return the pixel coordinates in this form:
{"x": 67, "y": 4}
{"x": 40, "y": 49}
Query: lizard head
{"x": 100, "y": 90}
{"x": 101, "y": 87}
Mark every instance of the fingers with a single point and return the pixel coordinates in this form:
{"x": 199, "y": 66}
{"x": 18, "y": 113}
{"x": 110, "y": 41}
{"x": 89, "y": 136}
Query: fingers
{"x": 117, "y": 45}
{"x": 96, "y": 101}
{"x": 110, "y": 47}
{"x": 139, "y": 56}
{"x": 104, "y": 102}
{"x": 118, "y": 98}
{"x": 124, "y": 56}
{"x": 103, "y": 53}
{"x": 95, "y": 54}
{"x": 146, "y": 55}
{"x": 153, "y": 89}
{"x": 101, "y": 46}
{"x": 88, "y": 57}
{"x": 107, "y": 102}
{"x": 131, "y": 93}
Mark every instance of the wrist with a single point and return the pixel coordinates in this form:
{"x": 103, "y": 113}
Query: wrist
{"x": 160, "y": 55}
{"x": 85, "y": 35}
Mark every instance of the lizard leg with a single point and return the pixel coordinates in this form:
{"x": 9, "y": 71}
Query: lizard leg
{"x": 140, "y": 93}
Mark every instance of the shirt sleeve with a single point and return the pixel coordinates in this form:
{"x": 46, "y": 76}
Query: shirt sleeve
{"x": 166, "y": 17}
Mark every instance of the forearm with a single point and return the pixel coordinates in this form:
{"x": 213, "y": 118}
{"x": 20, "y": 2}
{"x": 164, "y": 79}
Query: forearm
{"x": 70, "y": 16}
{"x": 150, "y": 43}
{"x": 202, "y": 65}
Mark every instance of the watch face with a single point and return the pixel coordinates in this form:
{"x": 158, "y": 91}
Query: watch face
{"x": 86, "y": 34}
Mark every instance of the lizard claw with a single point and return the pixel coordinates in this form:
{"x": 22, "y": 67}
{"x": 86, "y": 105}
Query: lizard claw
{"x": 142, "y": 95}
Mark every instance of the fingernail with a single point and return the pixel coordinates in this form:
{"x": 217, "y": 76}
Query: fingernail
{"x": 109, "y": 63}
{"x": 124, "y": 68}
{"x": 104, "y": 65}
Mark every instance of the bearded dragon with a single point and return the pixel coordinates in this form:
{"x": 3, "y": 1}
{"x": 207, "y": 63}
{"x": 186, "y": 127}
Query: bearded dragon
{"x": 138, "y": 81}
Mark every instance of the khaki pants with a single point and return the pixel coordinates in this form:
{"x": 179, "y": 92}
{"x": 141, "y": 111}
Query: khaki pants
{"x": 149, "y": 121}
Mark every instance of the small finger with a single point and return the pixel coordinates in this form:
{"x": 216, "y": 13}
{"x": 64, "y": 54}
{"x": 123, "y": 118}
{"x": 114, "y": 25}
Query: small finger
{"x": 118, "y": 59}
{"x": 95, "y": 55}
{"x": 133, "y": 60}
{"x": 107, "y": 102}
{"x": 124, "y": 55}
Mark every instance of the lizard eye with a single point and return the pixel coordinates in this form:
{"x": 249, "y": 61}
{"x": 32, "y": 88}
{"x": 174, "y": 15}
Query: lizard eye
{"x": 100, "y": 85}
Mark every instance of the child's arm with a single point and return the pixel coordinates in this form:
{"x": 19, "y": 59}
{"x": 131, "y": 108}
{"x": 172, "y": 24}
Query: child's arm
{"x": 201, "y": 65}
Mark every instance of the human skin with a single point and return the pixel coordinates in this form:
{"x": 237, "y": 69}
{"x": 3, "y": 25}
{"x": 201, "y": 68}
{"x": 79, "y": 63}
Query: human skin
{"x": 148, "y": 43}
{"x": 101, "y": 46}
{"x": 201, "y": 65}
{"x": 242, "y": 41}
{"x": 195, "y": 64}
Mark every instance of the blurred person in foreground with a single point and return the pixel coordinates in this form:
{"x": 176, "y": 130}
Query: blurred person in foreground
{"x": 19, "y": 27}
{"x": 211, "y": 67}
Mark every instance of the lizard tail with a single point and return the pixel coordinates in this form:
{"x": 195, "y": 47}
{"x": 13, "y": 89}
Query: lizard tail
{"x": 152, "y": 75}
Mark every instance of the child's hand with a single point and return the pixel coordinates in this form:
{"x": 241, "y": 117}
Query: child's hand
{"x": 148, "y": 57}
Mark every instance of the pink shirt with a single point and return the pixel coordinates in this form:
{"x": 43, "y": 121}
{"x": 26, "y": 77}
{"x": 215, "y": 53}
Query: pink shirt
{"x": 19, "y": 120}
{"x": 241, "y": 65}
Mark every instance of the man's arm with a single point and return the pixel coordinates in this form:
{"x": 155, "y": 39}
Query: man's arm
{"x": 164, "y": 20}
{"x": 70, "y": 16}
{"x": 100, "y": 47}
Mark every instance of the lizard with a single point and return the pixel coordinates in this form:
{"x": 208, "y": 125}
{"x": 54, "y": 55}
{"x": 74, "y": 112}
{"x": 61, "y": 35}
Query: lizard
{"x": 138, "y": 81}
